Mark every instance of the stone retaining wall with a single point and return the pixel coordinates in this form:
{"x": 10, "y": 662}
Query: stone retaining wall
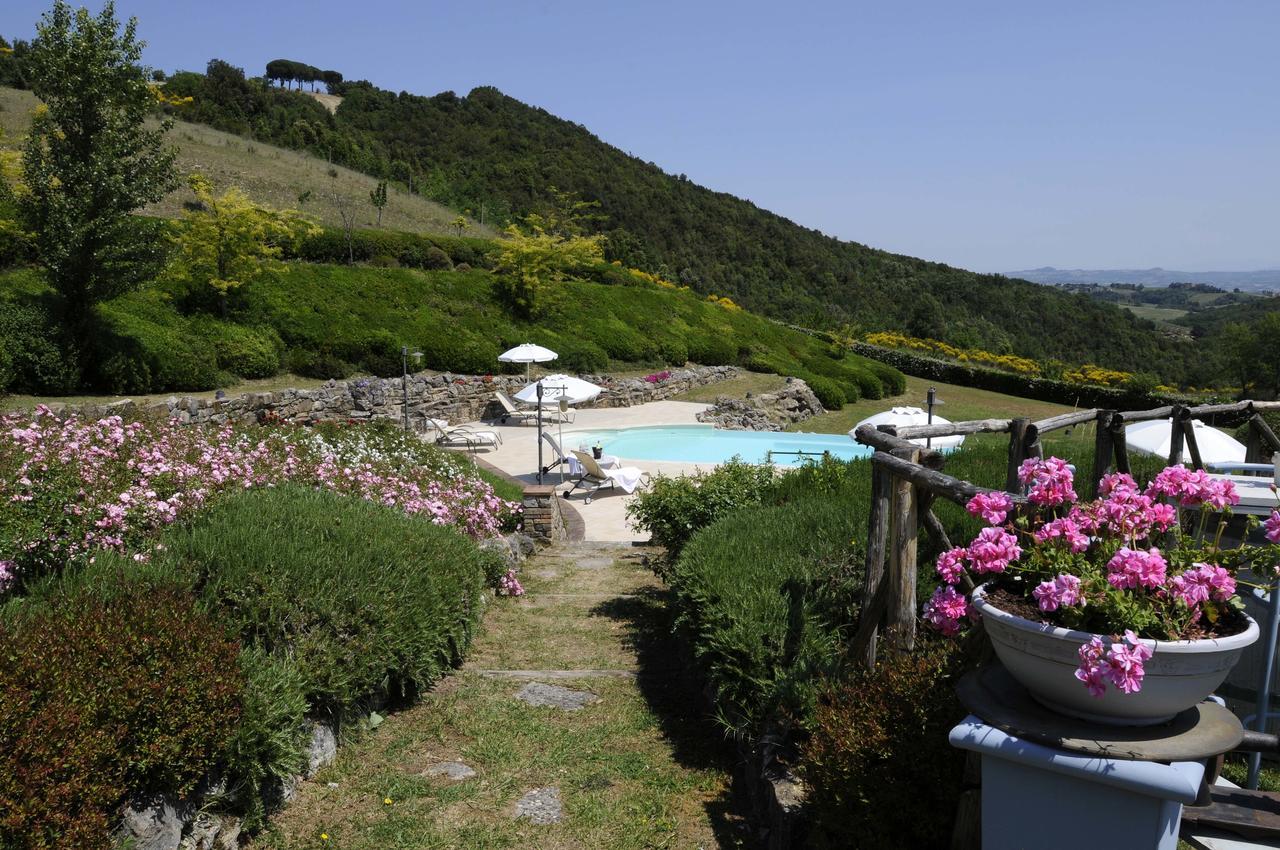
{"x": 454, "y": 398}
{"x": 793, "y": 403}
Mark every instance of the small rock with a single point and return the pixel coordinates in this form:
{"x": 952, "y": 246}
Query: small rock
{"x": 455, "y": 770}
{"x": 554, "y": 696}
{"x": 322, "y": 749}
{"x": 541, "y": 806}
{"x": 331, "y": 784}
{"x": 152, "y": 824}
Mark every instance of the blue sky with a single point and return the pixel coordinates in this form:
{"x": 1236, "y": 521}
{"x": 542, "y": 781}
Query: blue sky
{"x": 989, "y": 135}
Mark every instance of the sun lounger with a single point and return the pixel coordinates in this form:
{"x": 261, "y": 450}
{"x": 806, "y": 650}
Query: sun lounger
{"x": 460, "y": 436}
{"x": 593, "y": 477}
{"x": 510, "y": 411}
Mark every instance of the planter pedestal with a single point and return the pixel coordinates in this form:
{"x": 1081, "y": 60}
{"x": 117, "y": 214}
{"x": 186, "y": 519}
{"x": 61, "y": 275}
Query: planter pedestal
{"x": 1051, "y": 799}
{"x": 1052, "y": 781}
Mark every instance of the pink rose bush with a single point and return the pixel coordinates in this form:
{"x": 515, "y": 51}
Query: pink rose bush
{"x": 1144, "y": 562}
{"x": 70, "y": 487}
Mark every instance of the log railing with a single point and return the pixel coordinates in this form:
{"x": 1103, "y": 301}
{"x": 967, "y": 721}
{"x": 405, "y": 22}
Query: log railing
{"x": 907, "y": 479}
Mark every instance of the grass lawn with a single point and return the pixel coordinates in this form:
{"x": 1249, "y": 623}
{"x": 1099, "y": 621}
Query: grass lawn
{"x": 959, "y": 404}
{"x": 638, "y": 769}
{"x": 747, "y": 382}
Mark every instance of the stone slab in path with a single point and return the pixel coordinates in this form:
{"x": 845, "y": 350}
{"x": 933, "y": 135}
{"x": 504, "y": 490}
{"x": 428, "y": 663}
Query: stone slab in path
{"x": 541, "y": 805}
{"x": 554, "y": 696}
{"x": 455, "y": 770}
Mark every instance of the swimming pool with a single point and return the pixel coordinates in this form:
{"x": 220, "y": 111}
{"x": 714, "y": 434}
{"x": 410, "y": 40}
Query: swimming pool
{"x": 706, "y": 444}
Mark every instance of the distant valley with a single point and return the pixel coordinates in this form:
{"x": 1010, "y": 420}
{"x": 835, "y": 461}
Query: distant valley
{"x": 1250, "y": 281}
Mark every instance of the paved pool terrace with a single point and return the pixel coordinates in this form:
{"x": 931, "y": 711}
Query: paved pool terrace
{"x": 605, "y": 517}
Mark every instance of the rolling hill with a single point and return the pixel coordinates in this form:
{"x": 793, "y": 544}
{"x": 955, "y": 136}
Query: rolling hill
{"x": 502, "y": 158}
{"x": 268, "y": 174}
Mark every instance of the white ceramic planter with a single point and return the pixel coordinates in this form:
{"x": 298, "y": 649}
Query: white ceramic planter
{"x": 1044, "y": 659}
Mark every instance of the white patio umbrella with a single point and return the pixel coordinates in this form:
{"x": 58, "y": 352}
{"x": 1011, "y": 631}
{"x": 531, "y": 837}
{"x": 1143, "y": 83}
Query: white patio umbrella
{"x": 1154, "y": 438}
{"x": 554, "y": 387}
{"x": 902, "y": 416}
{"x": 527, "y": 353}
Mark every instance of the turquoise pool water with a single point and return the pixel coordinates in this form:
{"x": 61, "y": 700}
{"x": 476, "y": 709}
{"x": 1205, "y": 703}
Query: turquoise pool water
{"x": 705, "y": 444}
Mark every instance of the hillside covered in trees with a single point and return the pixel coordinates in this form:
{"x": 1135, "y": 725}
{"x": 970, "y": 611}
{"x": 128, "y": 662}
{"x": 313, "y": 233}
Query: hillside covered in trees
{"x": 500, "y": 159}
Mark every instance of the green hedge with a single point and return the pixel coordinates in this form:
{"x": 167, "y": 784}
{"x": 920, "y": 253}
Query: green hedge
{"x": 412, "y": 250}
{"x": 1042, "y": 389}
{"x": 764, "y": 596}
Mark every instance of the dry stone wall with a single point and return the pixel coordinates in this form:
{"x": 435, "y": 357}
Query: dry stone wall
{"x": 454, "y": 398}
{"x": 764, "y": 412}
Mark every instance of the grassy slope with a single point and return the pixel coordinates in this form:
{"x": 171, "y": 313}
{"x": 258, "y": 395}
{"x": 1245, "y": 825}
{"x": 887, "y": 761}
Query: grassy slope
{"x": 267, "y": 174}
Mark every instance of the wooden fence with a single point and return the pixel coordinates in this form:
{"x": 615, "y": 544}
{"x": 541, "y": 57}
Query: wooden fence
{"x": 907, "y": 479}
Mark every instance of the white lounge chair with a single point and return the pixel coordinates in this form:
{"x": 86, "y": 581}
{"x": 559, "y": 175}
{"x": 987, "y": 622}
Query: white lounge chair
{"x": 510, "y": 411}
{"x": 460, "y": 436}
{"x": 593, "y": 477}
{"x": 557, "y": 454}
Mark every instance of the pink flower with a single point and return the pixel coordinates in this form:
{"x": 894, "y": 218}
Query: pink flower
{"x": 993, "y": 550}
{"x": 1063, "y": 530}
{"x": 1132, "y": 568}
{"x": 1272, "y": 527}
{"x": 946, "y": 609}
{"x": 1049, "y": 481}
{"x": 1062, "y": 591}
{"x": 1125, "y": 663}
{"x": 1203, "y": 582}
{"x": 951, "y": 564}
{"x": 992, "y": 507}
{"x": 1091, "y": 666}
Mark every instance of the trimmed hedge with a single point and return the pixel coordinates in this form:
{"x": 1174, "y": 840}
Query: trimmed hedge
{"x": 412, "y": 250}
{"x": 764, "y": 597}
{"x": 361, "y": 599}
{"x": 1025, "y": 386}
{"x": 104, "y": 695}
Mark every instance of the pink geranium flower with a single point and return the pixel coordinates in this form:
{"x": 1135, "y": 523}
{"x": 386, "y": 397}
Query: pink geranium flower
{"x": 992, "y": 507}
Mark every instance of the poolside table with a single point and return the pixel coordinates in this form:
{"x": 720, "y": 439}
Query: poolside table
{"x": 605, "y": 461}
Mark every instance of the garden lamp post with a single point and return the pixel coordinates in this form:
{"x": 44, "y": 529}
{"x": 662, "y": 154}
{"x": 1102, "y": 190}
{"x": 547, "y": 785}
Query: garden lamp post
{"x": 404, "y": 378}
{"x": 931, "y": 398}
{"x": 538, "y": 387}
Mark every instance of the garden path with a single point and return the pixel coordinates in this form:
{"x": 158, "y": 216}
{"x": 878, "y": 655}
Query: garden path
{"x": 571, "y": 711}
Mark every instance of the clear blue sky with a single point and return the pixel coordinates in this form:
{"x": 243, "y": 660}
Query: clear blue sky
{"x": 989, "y": 135}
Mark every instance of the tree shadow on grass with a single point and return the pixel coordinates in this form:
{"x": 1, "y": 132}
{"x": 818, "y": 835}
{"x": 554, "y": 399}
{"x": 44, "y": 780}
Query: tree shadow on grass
{"x": 671, "y": 688}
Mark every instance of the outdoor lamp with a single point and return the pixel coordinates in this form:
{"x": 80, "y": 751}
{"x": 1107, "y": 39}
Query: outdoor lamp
{"x": 564, "y": 404}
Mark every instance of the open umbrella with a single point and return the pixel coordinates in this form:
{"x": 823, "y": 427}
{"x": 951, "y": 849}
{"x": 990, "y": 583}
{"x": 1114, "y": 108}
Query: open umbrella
{"x": 555, "y": 387}
{"x": 1155, "y": 437}
{"x": 527, "y": 353}
{"x": 902, "y": 416}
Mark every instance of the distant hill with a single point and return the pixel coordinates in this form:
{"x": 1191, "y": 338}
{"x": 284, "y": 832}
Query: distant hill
{"x": 268, "y": 174}
{"x": 1250, "y": 281}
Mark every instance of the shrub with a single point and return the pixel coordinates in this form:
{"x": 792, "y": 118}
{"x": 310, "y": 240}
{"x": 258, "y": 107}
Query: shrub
{"x": 765, "y": 597}
{"x": 582, "y": 357}
{"x": 145, "y": 346}
{"x": 462, "y": 351}
{"x": 673, "y": 351}
{"x": 434, "y": 258}
{"x": 35, "y": 362}
{"x": 673, "y": 509}
{"x": 318, "y": 364}
{"x": 878, "y": 763}
{"x": 710, "y": 349}
{"x": 243, "y": 350}
{"x": 827, "y": 391}
{"x": 359, "y": 598}
{"x": 102, "y": 696}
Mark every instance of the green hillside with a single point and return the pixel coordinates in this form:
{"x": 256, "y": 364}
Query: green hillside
{"x": 492, "y": 154}
{"x": 329, "y": 321}
{"x": 270, "y": 175}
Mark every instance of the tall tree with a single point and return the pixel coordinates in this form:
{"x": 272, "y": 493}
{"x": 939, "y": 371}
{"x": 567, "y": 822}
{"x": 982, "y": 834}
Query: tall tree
{"x": 90, "y": 160}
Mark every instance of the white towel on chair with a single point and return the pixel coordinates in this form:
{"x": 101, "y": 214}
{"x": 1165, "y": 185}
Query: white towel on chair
{"x": 626, "y": 477}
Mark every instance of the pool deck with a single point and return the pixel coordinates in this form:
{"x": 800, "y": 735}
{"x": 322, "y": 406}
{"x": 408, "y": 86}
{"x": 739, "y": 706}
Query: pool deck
{"x": 605, "y": 518}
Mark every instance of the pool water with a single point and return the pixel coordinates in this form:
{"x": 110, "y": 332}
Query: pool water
{"x": 706, "y": 444}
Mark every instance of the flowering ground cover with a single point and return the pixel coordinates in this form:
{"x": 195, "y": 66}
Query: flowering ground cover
{"x": 71, "y": 487}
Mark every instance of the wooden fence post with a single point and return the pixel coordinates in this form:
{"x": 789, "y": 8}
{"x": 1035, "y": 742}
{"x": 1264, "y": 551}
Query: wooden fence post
{"x": 1017, "y": 447}
{"x": 1118, "y": 443}
{"x": 1189, "y": 434}
{"x": 1102, "y": 451}
{"x": 900, "y": 619}
{"x": 877, "y": 546}
{"x": 1262, "y": 440}
{"x": 1176, "y": 436}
